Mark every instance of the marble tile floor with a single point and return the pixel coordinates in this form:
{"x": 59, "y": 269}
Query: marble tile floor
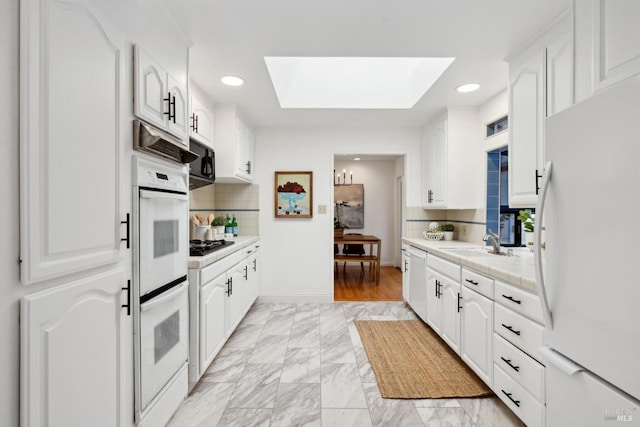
{"x": 304, "y": 365}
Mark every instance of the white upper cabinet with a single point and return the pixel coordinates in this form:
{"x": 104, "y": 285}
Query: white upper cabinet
{"x": 201, "y": 122}
{"x": 452, "y": 162}
{"x": 234, "y": 147}
{"x": 70, "y": 140}
{"x": 606, "y": 40}
{"x": 540, "y": 85}
{"x": 159, "y": 98}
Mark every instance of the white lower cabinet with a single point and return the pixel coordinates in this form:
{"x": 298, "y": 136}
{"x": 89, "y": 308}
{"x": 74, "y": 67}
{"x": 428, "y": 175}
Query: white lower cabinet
{"x": 443, "y": 314}
{"x": 405, "y": 272}
{"x": 213, "y": 330}
{"x": 219, "y": 297}
{"x": 75, "y": 337}
{"x": 518, "y": 374}
{"x": 517, "y": 399}
{"x": 492, "y": 325}
{"x": 443, "y": 297}
{"x": 477, "y": 333}
{"x": 236, "y": 300}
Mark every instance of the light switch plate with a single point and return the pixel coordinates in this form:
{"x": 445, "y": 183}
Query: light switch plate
{"x": 322, "y": 209}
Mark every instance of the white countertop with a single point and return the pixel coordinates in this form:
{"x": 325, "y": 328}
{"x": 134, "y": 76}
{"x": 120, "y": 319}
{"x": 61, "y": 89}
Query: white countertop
{"x": 240, "y": 243}
{"x": 515, "y": 270}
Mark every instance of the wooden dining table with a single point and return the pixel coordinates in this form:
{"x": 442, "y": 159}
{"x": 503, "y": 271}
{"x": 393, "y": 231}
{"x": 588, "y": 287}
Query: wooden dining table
{"x": 371, "y": 258}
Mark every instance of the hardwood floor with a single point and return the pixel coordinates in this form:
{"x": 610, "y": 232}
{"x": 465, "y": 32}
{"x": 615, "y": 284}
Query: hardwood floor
{"x": 356, "y": 286}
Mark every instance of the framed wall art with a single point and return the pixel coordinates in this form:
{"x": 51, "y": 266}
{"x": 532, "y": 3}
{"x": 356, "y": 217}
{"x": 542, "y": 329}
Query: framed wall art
{"x": 293, "y": 194}
{"x": 349, "y": 204}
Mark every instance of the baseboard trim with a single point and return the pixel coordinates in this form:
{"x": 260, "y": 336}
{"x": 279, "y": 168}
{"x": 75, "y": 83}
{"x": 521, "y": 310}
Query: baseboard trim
{"x": 295, "y": 299}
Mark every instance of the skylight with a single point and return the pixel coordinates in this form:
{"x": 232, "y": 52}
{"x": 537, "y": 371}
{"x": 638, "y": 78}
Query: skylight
{"x": 363, "y": 83}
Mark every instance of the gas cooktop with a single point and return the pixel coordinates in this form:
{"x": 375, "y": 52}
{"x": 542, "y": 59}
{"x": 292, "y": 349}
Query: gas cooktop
{"x": 204, "y": 247}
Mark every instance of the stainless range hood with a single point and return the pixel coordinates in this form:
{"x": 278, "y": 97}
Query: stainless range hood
{"x": 152, "y": 140}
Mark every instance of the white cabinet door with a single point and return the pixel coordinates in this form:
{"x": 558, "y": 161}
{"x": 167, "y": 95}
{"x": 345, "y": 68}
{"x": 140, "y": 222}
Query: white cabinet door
{"x": 476, "y": 332}
{"x": 253, "y": 283}
{"x": 70, "y": 115}
{"x": 212, "y": 320}
{"x": 244, "y": 151}
{"x": 452, "y": 161}
{"x": 234, "y": 143}
{"x": 559, "y": 74}
{"x": 434, "y": 158}
{"x": 152, "y": 102}
{"x": 610, "y": 34}
{"x": 177, "y": 122}
{"x": 450, "y": 313}
{"x": 405, "y": 274}
{"x": 526, "y": 133}
{"x": 201, "y": 123}
{"x": 77, "y": 354}
{"x": 434, "y": 280}
{"x": 235, "y": 300}
{"x": 159, "y": 98}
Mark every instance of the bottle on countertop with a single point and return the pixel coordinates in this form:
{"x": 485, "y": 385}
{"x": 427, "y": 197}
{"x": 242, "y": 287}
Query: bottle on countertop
{"x": 234, "y": 226}
{"x": 228, "y": 228}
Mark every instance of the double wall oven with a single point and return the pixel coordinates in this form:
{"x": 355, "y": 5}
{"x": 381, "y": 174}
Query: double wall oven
{"x": 160, "y": 289}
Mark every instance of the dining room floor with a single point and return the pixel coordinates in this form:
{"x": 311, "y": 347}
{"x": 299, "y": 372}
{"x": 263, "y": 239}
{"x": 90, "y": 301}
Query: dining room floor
{"x": 304, "y": 365}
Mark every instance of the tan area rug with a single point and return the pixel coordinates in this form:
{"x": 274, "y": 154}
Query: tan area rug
{"x": 411, "y": 361}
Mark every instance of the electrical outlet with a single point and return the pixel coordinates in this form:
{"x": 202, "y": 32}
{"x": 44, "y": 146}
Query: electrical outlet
{"x": 322, "y": 209}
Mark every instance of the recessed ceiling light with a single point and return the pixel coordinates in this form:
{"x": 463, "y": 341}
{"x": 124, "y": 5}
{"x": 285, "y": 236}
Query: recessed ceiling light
{"x": 353, "y": 82}
{"x": 356, "y": 158}
{"x": 232, "y": 81}
{"x": 470, "y": 87}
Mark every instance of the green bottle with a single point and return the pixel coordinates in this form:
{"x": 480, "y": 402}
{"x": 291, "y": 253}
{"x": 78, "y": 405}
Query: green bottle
{"x": 234, "y": 226}
{"x": 228, "y": 228}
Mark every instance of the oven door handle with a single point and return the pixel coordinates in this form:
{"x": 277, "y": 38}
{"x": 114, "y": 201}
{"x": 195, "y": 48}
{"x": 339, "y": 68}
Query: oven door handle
{"x": 175, "y": 292}
{"x": 146, "y": 194}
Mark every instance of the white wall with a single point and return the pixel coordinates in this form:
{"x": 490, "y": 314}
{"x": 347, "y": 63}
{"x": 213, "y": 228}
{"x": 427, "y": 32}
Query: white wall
{"x": 10, "y": 289}
{"x": 378, "y": 178}
{"x": 297, "y": 254}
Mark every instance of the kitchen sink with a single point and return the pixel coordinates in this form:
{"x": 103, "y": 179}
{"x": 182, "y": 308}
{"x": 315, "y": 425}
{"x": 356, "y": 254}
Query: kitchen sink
{"x": 478, "y": 251}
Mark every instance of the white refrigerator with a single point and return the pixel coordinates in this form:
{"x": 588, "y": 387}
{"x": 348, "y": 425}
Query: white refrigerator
{"x": 589, "y": 282}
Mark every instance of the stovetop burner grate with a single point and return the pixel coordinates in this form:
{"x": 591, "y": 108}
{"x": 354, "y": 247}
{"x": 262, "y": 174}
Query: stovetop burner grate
{"x": 203, "y": 247}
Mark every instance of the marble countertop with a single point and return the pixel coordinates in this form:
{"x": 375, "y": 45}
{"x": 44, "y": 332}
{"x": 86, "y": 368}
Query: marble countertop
{"x": 517, "y": 270}
{"x": 240, "y": 243}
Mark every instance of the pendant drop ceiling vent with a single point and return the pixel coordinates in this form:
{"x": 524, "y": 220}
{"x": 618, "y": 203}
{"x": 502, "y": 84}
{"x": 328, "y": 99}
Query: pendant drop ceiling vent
{"x": 353, "y": 83}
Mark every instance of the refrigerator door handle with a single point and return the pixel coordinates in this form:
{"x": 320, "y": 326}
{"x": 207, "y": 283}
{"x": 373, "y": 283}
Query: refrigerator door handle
{"x": 537, "y": 247}
{"x": 567, "y": 366}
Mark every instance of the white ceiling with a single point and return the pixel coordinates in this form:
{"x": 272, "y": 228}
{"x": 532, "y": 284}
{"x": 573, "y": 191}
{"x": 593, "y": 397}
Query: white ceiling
{"x": 234, "y": 36}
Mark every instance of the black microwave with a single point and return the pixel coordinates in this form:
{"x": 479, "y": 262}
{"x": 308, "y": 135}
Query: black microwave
{"x": 202, "y": 171}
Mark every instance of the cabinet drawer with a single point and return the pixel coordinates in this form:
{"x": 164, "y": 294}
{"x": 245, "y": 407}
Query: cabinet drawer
{"x": 517, "y": 399}
{"x": 217, "y": 268}
{"x": 519, "y": 301}
{"x": 477, "y": 282}
{"x": 518, "y": 330}
{"x": 522, "y": 368}
{"x": 447, "y": 268}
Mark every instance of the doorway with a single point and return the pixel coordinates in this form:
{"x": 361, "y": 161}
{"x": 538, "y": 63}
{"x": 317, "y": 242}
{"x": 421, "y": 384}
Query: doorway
{"x": 379, "y": 179}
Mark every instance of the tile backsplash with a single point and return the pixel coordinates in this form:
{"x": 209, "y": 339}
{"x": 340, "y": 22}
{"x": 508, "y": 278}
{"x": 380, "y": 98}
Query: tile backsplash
{"x": 241, "y": 200}
{"x": 470, "y": 223}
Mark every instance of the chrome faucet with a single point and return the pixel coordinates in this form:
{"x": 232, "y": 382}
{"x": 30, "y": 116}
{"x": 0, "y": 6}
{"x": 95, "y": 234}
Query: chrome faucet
{"x": 495, "y": 241}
